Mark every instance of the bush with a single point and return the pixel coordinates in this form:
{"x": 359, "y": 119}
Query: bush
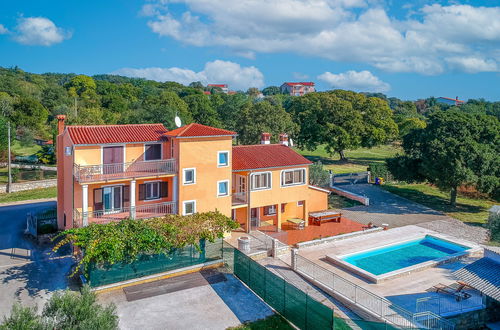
{"x": 494, "y": 225}
{"x": 64, "y": 310}
{"x": 319, "y": 176}
{"x": 15, "y": 174}
{"x": 46, "y": 155}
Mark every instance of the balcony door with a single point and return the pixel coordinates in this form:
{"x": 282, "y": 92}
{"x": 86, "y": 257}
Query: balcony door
{"x": 112, "y": 159}
{"x": 112, "y": 199}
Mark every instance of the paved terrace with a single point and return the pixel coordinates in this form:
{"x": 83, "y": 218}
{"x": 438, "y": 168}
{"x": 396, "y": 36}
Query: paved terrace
{"x": 404, "y": 290}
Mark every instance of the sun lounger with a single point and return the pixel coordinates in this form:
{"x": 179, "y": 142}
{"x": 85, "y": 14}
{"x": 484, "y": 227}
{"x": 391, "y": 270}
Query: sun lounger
{"x": 457, "y": 291}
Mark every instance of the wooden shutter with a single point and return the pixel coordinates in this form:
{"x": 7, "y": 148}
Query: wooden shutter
{"x": 142, "y": 192}
{"x": 98, "y": 203}
{"x": 126, "y": 196}
{"x": 163, "y": 189}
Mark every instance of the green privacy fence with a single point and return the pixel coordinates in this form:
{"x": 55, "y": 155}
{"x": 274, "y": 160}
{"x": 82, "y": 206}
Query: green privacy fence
{"x": 154, "y": 264}
{"x": 294, "y": 304}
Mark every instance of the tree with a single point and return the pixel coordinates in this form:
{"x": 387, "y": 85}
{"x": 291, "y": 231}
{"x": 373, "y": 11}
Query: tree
{"x": 271, "y": 90}
{"x": 264, "y": 117}
{"x": 455, "y": 149}
{"x": 164, "y": 108}
{"x": 6, "y": 102}
{"x": 318, "y": 176}
{"x": 29, "y": 113}
{"x": 231, "y": 110}
{"x": 201, "y": 110}
{"x": 342, "y": 120}
{"x": 64, "y": 310}
{"x": 253, "y": 92}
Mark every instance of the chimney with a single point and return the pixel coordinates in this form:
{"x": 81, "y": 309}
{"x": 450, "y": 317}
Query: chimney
{"x": 265, "y": 138}
{"x": 284, "y": 139}
{"x": 60, "y": 123}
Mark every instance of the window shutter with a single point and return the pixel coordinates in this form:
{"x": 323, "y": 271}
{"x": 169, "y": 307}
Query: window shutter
{"x": 126, "y": 195}
{"x": 163, "y": 189}
{"x": 142, "y": 192}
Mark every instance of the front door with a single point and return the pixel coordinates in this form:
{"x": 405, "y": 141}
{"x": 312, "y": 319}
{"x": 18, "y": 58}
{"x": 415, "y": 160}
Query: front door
{"x": 112, "y": 159}
{"x": 254, "y": 218}
{"x": 112, "y": 199}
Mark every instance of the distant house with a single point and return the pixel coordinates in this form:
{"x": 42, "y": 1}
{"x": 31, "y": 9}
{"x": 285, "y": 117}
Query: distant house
{"x": 450, "y": 101}
{"x": 223, "y": 87}
{"x": 297, "y": 88}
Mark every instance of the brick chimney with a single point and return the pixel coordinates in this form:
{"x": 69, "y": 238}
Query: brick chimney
{"x": 60, "y": 123}
{"x": 284, "y": 139}
{"x": 265, "y": 138}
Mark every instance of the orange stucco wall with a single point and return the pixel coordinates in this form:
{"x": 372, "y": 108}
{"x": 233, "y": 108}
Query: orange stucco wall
{"x": 318, "y": 200}
{"x": 201, "y": 154}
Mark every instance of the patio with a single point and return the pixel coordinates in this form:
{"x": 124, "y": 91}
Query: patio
{"x": 290, "y": 235}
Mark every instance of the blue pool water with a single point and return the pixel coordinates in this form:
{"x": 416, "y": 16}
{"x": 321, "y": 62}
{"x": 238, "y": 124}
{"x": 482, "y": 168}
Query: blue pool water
{"x": 394, "y": 257}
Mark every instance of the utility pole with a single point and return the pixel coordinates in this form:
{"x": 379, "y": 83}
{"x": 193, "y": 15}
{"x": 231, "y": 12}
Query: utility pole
{"x": 9, "y": 165}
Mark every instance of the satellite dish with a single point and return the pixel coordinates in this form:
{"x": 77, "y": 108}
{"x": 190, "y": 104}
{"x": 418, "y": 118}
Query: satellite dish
{"x": 178, "y": 122}
{"x": 291, "y": 142}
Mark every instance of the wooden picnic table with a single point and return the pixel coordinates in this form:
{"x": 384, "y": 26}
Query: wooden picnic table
{"x": 297, "y": 223}
{"x": 317, "y": 218}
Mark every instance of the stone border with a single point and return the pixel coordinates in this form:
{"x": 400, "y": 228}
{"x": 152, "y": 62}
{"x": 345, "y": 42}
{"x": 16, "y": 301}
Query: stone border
{"x": 29, "y": 185}
{"x": 362, "y": 199}
{"x": 337, "y": 238}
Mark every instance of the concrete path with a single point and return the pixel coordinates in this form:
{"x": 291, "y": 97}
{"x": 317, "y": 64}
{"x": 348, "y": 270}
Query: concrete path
{"x": 29, "y": 273}
{"x": 396, "y": 211}
{"x": 30, "y": 201}
{"x": 213, "y": 306}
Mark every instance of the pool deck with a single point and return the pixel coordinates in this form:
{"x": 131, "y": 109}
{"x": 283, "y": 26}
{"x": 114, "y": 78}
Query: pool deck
{"x": 405, "y": 289}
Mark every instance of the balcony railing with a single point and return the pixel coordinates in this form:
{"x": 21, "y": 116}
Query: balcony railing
{"x": 89, "y": 173}
{"x": 239, "y": 198}
{"x": 81, "y": 219}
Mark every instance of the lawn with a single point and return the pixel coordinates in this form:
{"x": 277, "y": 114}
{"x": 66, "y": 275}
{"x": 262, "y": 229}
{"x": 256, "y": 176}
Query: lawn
{"x": 357, "y": 160}
{"x": 28, "y": 175}
{"x": 469, "y": 210}
{"x": 19, "y": 150}
{"x": 29, "y": 194}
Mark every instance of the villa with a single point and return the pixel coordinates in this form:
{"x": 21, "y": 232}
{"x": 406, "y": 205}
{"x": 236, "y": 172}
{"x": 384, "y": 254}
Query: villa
{"x": 113, "y": 172}
{"x": 297, "y": 88}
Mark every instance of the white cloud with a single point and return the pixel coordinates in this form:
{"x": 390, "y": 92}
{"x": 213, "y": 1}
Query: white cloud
{"x": 233, "y": 74}
{"x": 3, "y": 29}
{"x": 429, "y": 42}
{"x": 39, "y": 31}
{"x": 362, "y": 81}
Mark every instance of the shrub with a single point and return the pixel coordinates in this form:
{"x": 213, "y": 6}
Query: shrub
{"x": 15, "y": 174}
{"x": 318, "y": 176}
{"x": 494, "y": 225}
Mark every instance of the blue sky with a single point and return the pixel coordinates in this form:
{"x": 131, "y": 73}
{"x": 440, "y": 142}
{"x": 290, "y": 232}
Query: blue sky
{"x": 410, "y": 50}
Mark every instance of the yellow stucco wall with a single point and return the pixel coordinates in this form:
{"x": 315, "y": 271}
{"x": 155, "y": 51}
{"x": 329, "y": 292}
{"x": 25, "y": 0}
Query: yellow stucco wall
{"x": 88, "y": 155}
{"x": 201, "y": 153}
{"x": 317, "y": 200}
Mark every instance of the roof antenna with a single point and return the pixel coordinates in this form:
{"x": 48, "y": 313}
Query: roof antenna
{"x": 177, "y": 121}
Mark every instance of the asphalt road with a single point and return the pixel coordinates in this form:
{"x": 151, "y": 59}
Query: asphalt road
{"x": 29, "y": 272}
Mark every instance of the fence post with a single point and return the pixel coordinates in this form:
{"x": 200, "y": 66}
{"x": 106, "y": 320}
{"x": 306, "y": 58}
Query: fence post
{"x": 295, "y": 253}
{"x": 275, "y": 248}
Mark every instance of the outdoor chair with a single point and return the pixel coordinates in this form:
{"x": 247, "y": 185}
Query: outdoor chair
{"x": 456, "y": 290}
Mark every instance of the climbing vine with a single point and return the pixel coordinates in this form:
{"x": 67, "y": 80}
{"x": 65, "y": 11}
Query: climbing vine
{"x": 124, "y": 241}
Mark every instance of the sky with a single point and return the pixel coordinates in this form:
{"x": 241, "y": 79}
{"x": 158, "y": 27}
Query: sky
{"x": 407, "y": 49}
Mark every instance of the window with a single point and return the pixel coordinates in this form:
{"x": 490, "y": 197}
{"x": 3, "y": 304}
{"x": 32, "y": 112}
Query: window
{"x": 152, "y": 190}
{"x": 261, "y": 180}
{"x": 270, "y": 210}
{"x": 152, "y": 151}
{"x": 222, "y": 188}
{"x": 300, "y": 203}
{"x": 222, "y": 158}
{"x": 283, "y": 207}
{"x": 293, "y": 177}
{"x": 188, "y": 207}
{"x": 189, "y": 176}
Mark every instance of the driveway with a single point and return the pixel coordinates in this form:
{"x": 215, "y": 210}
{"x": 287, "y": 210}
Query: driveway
{"x": 185, "y": 302}
{"x": 396, "y": 211}
{"x": 28, "y": 271}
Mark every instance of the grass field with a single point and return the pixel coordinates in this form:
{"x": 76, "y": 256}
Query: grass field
{"x": 29, "y": 194}
{"x": 469, "y": 210}
{"x": 19, "y": 150}
{"x": 357, "y": 160}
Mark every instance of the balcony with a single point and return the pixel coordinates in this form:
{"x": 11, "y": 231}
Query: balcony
{"x": 239, "y": 198}
{"x": 105, "y": 172}
{"x": 137, "y": 212}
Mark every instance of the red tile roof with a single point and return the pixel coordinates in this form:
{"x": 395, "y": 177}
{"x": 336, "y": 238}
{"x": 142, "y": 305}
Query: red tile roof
{"x": 260, "y": 156}
{"x": 217, "y": 85}
{"x": 199, "y": 130}
{"x": 310, "y": 83}
{"x": 104, "y": 134}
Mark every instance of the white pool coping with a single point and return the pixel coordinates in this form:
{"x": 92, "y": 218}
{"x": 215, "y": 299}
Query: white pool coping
{"x": 472, "y": 249}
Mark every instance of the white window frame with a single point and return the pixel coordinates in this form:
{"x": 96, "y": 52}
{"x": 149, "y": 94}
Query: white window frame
{"x": 270, "y": 206}
{"x": 282, "y": 177}
{"x": 184, "y": 207}
{"x": 227, "y": 190}
{"x": 161, "y": 151}
{"x": 146, "y": 199}
{"x": 184, "y": 170}
{"x": 218, "y": 158}
{"x": 260, "y": 173}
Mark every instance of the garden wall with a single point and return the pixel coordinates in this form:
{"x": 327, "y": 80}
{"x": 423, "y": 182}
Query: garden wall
{"x": 29, "y": 185}
{"x": 362, "y": 199}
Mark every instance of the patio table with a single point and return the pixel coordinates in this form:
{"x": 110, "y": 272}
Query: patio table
{"x": 297, "y": 223}
{"x": 317, "y": 218}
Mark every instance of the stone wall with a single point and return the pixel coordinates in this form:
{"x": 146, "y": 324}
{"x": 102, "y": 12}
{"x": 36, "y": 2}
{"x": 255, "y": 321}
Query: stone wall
{"x": 31, "y": 166}
{"x": 29, "y": 185}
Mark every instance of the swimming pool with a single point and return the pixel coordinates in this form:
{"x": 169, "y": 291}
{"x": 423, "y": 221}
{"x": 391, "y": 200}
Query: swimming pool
{"x": 387, "y": 259}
